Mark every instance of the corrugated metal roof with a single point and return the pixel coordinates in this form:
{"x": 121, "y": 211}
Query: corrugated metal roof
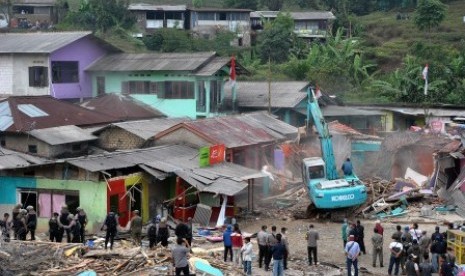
{"x": 308, "y": 15}
{"x": 153, "y": 62}
{"x": 213, "y": 66}
{"x": 283, "y": 94}
{"x": 10, "y": 159}
{"x": 339, "y": 111}
{"x": 224, "y": 178}
{"x": 151, "y": 7}
{"x": 438, "y": 112}
{"x": 61, "y": 113}
{"x": 47, "y": 42}
{"x": 123, "y": 107}
{"x": 62, "y": 135}
{"x": 238, "y": 130}
{"x": 219, "y": 10}
{"x": 145, "y": 129}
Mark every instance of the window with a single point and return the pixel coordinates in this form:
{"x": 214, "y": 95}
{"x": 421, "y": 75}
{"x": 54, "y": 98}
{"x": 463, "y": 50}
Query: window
{"x": 316, "y": 172}
{"x": 50, "y": 201}
{"x": 65, "y": 71}
{"x": 100, "y": 86}
{"x": 215, "y": 95}
{"x": 154, "y": 15}
{"x": 178, "y": 90}
{"x": 207, "y": 16}
{"x": 136, "y": 87}
{"x": 38, "y": 76}
{"x": 222, "y": 16}
{"x": 32, "y": 149}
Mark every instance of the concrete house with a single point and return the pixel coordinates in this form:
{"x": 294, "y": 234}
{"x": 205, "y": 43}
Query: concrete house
{"x": 152, "y": 17}
{"x": 149, "y": 177}
{"x": 308, "y": 25}
{"x": 132, "y": 134}
{"x": 249, "y": 139}
{"x": 31, "y": 65}
{"x": 176, "y": 84}
{"x": 206, "y": 22}
{"x": 31, "y": 11}
{"x": 47, "y": 186}
{"x": 45, "y": 126}
{"x": 289, "y": 102}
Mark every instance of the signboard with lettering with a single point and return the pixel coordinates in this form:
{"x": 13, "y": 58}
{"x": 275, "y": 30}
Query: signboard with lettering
{"x": 211, "y": 155}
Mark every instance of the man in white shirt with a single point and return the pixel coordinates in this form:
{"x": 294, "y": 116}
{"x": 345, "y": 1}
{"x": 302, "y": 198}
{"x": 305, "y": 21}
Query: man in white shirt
{"x": 396, "y": 252}
{"x": 415, "y": 232}
{"x": 352, "y": 251}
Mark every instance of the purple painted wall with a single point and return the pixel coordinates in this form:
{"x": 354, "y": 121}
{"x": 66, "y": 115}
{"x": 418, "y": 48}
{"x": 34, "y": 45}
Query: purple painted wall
{"x": 86, "y": 51}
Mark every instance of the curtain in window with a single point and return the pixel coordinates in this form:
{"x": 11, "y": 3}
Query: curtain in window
{"x": 57, "y": 202}
{"x": 45, "y": 205}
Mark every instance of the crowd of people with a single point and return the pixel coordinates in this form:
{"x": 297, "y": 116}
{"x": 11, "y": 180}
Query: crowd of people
{"x": 23, "y": 222}
{"x": 412, "y": 251}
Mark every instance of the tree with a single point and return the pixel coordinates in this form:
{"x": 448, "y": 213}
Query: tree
{"x": 241, "y": 4}
{"x": 197, "y": 3}
{"x": 276, "y": 39}
{"x": 429, "y": 14}
{"x": 101, "y": 15}
{"x": 273, "y": 5}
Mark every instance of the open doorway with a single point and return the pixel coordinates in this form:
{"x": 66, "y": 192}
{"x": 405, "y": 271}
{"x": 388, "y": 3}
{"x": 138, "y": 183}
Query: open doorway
{"x": 28, "y": 198}
{"x": 135, "y": 198}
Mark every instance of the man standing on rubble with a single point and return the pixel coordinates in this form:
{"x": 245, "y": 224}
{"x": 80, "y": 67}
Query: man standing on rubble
{"x": 425, "y": 243}
{"x": 312, "y": 238}
{"x": 270, "y": 241}
{"x": 360, "y": 236}
{"x": 438, "y": 247}
{"x": 179, "y": 255}
{"x": 344, "y": 232}
{"x": 136, "y": 228}
{"x": 352, "y": 251}
{"x": 82, "y": 218}
{"x": 5, "y": 227}
{"x": 262, "y": 247}
{"x": 63, "y": 223}
{"x": 54, "y": 228}
{"x": 31, "y": 221}
{"x": 377, "y": 241}
{"x": 111, "y": 224}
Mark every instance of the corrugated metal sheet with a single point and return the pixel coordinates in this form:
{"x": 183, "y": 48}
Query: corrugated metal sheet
{"x": 283, "y": 94}
{"x": 46, "y": 42}
{"x": 145, "y": 129}
{"x": 224, "y": 178}
{"x": 263, "y": 119}
{"x": 150, "y": 7}
{"x": 62, "y": 135}
{"x": 153, "y": 62}
{"x": 61, "y": 113}
{"x": 213, "y": 66}
{"x": 123, "y": 107}
{"x": 11, "y": 159}
{"x": 437, "y": 112}
{"x": 339, "y": 111}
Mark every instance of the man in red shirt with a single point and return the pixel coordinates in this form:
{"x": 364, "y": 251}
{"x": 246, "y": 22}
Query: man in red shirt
{"x": 237, "y": 243}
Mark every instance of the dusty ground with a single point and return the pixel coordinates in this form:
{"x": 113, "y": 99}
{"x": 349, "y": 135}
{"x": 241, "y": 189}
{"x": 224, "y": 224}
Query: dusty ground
{"x": 330, "y": 249}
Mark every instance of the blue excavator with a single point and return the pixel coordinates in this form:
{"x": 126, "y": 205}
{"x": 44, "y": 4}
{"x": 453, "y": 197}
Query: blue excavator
{"x": 326, "y": 189}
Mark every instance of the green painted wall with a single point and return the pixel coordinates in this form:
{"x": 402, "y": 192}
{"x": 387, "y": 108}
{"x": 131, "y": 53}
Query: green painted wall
{"x": 92, "y": 198}
{"x": 171, "y": 107}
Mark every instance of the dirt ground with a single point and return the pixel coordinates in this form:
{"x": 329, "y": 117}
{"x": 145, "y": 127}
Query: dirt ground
{"x": 330, "y": 247}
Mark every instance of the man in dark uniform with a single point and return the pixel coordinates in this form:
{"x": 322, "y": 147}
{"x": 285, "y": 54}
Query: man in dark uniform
{"x": 82, "y": 218}
{"x": 31, "y": 221}
{"x": 64, "y": 223}
{"x": 111, "y": 225}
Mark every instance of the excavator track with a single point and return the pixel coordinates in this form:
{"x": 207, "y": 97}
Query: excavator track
{"x": 336, "y": 215}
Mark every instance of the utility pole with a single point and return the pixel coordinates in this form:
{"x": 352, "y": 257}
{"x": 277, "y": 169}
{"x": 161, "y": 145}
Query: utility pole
{"x": 269, "y": 85}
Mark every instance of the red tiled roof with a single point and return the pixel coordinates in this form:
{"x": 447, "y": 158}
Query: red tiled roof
{"x": 59, "y": 113}
{"x": 122, "y": 107}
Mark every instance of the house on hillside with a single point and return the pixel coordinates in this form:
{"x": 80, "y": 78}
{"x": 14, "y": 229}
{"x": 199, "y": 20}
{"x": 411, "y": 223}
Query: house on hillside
{"x": 43, "y": 125}
{"x": 27, "y": 13}
{"x": 289, "y": 103}
{"x": 121, "y": 106}
{"x": 249, "y": 139}
{"x": 152, "y": 17}
{"x": 206, "y": 22}
{"x": 403, "y": 117}
{"x": 31, "y": 65}
{"x": 308, "y": 25}
{"x": 177, "y": 84}
{"x": 132, "y": 134}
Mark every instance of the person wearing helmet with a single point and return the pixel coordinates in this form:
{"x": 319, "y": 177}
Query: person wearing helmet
{"x": 136, "y": 228}
{"x": 82, "y": 217}
{"x": 31, "y": 221}
{"x": 63, "y": 222}
{"x": 74, "y": 228}
{"x": 20, "y": 225}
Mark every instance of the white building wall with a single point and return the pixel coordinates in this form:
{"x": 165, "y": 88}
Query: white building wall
{"x": 21, "y": 64}
{"x": 6, "y": 74}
